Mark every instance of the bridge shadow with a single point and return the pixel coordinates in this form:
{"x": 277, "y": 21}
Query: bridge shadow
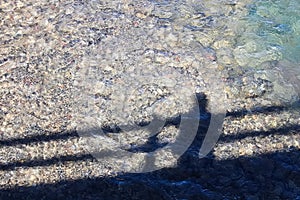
{"x": 273, "y": 175}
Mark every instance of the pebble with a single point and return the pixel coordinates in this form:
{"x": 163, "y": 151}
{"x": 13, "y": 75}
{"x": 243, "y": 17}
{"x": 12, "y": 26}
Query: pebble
{"x": 140, "y": 15}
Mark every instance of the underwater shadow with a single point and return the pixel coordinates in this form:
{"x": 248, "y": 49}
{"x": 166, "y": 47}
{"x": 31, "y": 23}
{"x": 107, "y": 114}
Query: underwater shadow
{"x": 273, "y": 175}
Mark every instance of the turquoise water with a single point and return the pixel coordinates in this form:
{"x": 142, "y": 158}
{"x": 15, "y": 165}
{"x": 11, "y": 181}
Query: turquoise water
{"x": 273, "y": 27}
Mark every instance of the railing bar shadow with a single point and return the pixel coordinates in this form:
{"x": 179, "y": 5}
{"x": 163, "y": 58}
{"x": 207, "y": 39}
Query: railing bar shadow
{"x": 39, "y": 138}
{"x": 46, "y": 162}
{"x": 285, "y": 130}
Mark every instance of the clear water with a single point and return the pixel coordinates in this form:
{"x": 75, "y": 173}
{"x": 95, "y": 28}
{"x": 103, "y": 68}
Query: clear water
{"x": 267, "y": 40}
{"x": 274, "y": 26}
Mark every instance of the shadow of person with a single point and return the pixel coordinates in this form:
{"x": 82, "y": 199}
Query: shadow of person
{"x": 273, "y": 175}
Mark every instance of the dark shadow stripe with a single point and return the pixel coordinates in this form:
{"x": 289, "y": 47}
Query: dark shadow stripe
{"x": 46, "y": 162}
{"x": 264, "y": 110}
{"x": 257, "y": 110}
{"x": 285, "y": 130}
{"x": 38, "y": 138}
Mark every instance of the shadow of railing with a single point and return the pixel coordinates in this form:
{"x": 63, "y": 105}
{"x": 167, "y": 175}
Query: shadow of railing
{"x": 273, "y": 175}
{"x": 38, "y": 138}
{"x": 284, "y": 130}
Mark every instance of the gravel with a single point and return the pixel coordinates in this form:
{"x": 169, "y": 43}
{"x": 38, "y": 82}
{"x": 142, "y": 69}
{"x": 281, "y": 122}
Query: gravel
{"x": 72, "y": 71}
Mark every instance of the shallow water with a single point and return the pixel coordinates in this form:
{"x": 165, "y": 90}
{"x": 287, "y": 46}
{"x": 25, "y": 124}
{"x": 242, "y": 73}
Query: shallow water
{"x": 157, "y": 57}
{"x": 162, "y": 50}
{"x": 267, "y": 39}
{"x": 271, "y": 28}
{"x": 276, "y": 24}
{"x": 136, "y": 61}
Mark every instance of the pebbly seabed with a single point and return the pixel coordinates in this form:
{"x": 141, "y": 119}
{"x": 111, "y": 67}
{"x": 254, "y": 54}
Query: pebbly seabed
{"x": 72, "y": 68}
